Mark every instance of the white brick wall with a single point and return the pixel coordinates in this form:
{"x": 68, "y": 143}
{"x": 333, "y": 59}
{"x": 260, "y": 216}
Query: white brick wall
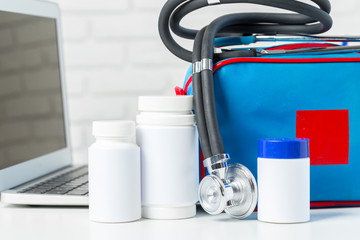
{"x": 94, "y": 5}
{"x": 94, "y": 54}
{"x": 113, "y": 54}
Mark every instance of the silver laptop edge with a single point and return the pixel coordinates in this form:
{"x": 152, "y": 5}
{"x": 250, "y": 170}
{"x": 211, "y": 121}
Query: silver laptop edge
{"x": 26, "y": 171}
{"x": 12, "y": 196}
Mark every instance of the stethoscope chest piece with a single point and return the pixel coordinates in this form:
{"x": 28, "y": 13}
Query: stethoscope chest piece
{"x": 212, "y": 195}
{"x": 236, "y": 194}
{"x": 245, "y": 191}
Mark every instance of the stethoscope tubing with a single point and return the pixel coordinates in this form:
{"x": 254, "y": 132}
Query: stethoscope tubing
{"x": 174, "y": 10}
{"x": 198, "y": 98}
{"x": 306, "y": 19}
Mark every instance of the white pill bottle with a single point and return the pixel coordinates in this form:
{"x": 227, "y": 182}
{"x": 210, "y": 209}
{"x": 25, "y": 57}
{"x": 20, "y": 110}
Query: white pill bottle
{"x": 284, "y": 180}
{"x": 114, "y": 173}
{"x": 169, "y": 145}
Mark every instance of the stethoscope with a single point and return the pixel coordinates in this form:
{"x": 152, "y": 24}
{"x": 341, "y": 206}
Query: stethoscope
{"x": 232, "y": 187}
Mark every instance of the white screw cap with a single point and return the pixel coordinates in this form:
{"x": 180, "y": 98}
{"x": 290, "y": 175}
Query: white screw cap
{"x": 165, "y": 103}
{"x": 117, "y": 128}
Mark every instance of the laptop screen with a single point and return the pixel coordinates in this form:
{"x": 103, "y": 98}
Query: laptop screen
{"x": 31, "y": 106}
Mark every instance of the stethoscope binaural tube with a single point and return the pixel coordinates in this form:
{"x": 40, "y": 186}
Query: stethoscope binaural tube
{"x": 229, "y": 187}
{"x": 311, "y": 20}
{"x": 198, "y": 97}
{"x": 173, "y": 11}
{"x": 207, "y": 75}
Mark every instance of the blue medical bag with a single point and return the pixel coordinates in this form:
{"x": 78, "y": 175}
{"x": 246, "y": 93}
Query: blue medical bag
{"x": 313, "y": 95}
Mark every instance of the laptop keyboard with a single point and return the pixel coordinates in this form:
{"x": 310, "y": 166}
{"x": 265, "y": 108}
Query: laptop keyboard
{"x": 74, "y": 182}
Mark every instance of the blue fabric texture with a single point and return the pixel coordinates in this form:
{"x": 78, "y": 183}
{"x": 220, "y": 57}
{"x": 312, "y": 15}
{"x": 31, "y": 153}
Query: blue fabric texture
{"x": 260, "y": 100}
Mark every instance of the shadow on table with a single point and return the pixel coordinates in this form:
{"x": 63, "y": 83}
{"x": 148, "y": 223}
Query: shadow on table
{"x": 319, "y": 216}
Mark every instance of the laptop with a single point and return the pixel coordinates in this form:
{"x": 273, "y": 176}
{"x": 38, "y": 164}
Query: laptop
{"x": 35, "y": 154}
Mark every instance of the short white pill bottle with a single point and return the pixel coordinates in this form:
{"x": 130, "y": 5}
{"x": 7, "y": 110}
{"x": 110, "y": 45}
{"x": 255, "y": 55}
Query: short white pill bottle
{"x": 114, "y": 173}
{"x": 169, "y": 146}
{"x": 284, "y": 180}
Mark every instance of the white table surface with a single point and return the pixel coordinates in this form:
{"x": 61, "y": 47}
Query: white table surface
{"x": 52, "y": 223}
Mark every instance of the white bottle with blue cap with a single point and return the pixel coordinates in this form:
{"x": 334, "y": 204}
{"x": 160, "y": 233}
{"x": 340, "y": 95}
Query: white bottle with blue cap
{"x": 284, "y": 180}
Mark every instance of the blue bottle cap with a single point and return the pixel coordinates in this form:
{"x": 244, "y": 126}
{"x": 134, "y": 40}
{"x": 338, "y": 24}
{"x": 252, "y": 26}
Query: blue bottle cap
{"x": 283, "y": 148}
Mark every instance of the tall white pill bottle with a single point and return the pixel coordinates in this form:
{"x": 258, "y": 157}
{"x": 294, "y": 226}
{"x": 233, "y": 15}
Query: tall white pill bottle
{"x": 168, "y": 139}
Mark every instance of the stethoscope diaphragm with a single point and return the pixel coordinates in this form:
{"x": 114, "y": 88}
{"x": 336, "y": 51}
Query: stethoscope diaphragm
{"x": 212, "y": 195}
{"x": 245, "y": 191}
{"x": 236, "y": 194}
